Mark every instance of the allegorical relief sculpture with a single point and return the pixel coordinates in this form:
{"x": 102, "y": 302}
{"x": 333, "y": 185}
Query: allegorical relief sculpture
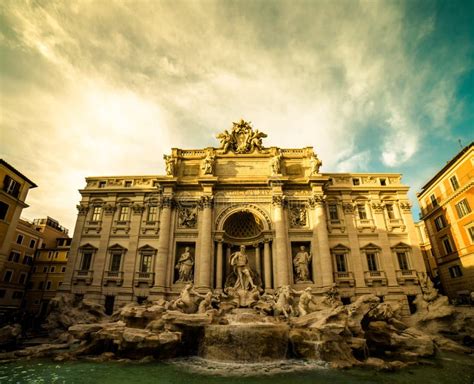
{"x": 187, "y": 217}
{"x": 242, "y": 138}
{"x": 208, "y": 163}
{"x": 301, "y": 264}
{"x": 169, "y": 165}
{"x": 298, "y": 216}
{"x": 185, "y": 266}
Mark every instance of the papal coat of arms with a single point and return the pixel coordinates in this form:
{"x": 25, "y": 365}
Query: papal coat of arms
{"x": 242, "y": 138}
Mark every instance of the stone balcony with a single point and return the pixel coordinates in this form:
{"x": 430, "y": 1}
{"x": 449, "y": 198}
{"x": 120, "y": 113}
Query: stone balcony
{"x": 344, "y": 278}
{"x": 113, "y": 277}
{"x": 375, "y": 277}
{"x": 407, "y": 276}
{"x": 82, "y": 275}
{"x": 146, "y": 278}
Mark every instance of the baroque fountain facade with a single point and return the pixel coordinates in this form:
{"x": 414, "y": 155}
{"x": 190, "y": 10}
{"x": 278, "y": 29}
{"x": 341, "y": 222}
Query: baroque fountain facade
{"x": 246, "y": 253}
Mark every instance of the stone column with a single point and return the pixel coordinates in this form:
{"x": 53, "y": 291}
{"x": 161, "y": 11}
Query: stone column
{"x": 281, "y": 258}
{"x": 267, "y": 265}
{"x": 205, "y": 254}
{"x": 321, "y": 232}
{"x": 228, "y": 253}
{"x": 258, "y": 261}
{"x": 163, "y": 242}
{"x": 219, "y": 264}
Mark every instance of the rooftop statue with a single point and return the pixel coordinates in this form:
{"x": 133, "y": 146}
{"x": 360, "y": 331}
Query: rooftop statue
{"x": 242, "y": 138}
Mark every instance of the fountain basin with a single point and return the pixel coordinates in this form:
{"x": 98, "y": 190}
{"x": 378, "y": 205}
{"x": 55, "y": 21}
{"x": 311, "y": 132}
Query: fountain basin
{"x": 245, "y": 342}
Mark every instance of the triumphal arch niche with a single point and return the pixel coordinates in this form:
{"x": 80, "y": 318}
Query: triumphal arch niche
{"x": 243, "y": 217}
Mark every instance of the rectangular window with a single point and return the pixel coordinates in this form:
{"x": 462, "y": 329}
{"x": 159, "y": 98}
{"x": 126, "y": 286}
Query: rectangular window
{"x": 463, "y": 208}
{"x": 447, "y": 245}
{"x": 115, "y": 260}
{"x": 10, "y": 186}
{"x": 440, "y": 223}
{"x": 333, "y": 214}
{"x": 355, "y": 181}
{"x": 3, "y": 210}
{"x": 372, "y": 261}
{"x": 22, "y": 278}
{"x": 152, "y": 213}
{"x": 86, "y": 261}
{"x": 2, "y": 293}
{"x": 7, "y": 277}
{"x": 48, "y": 285}
{"x": 434, "y": 201}
{"x": 96, "y": 213}
{"x": 14, "y": 256}
{"x": 454, "y": 182}
{"x": 45, "y": 269}
{"x": 124, "y": 211}
{"x": 102, "y": 184}
{"x": 403, "y": 261}
{"x": 41, "y": 285}
{"x": 362, "y": 212}
{"x": 19, "y": 239}
{"x": 341, "y": 262}
{"x": 17, "y": 295}
{"x": 145, "y": 262}
{"x": 52, "y": 269}
{"x": 470, "y": 230}
{"x": 128, "y": 184}
{"x": 28, "y": 260}
{"x": 383, "y": 182}
{"x": 32, "y": 243}
{"x": 390, "y": 212}
{"x": 63, "y": 269}
{"x": 455, "y": 271}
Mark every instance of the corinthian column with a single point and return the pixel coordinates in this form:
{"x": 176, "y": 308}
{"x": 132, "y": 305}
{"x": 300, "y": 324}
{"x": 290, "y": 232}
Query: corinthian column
{"x": 320, "y": 234}
{"x": 219, "y": 265}
{"x": 267, "y": 265}
{"x": 281, "y": 256}
{"x": 163, "y": 242}
{"x": 205, "y": 234}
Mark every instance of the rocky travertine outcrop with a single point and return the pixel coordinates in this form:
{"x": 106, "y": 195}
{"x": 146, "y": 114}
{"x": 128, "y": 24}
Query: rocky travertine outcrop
{"x": 9, "y": 335}
{"x": 289, "y": 324}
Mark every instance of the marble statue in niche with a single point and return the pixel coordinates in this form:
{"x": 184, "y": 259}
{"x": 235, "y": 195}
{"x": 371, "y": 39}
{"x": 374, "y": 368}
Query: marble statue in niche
{"x": 185, "y": 266}
{"x": 301, "y": 264}
{"x": 240, "y": 264}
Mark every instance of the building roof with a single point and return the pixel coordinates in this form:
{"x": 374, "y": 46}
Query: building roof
{"x": 18, "y": 173}
{"x": 445, "y": 168}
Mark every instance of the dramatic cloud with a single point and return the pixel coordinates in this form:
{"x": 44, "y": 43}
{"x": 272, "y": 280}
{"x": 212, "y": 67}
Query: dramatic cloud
{"x": 108, "y": 87}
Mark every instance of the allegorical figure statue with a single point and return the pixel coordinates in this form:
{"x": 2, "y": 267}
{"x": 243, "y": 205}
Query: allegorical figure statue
{"x": 208, "y": 163}
{"x": 226, "y": 140}
{"x": 315, "y": 164}
{"x": 169, "y": 162}
{"x": 301, "y": 264}
{"x": 187, "y": 217}
{"x": 240, "y": 264}
{"x": 276, "y": 164}
{"x": 255, "y": 140}
{"x": 185, "y": 266}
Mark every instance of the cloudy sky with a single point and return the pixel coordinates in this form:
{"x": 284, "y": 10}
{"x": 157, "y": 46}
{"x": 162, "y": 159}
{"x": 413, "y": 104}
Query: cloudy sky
{"x": 105, "y": 87}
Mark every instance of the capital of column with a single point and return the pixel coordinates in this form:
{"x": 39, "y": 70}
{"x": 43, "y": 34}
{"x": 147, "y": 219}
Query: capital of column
{"x": 348, "y": 208}
{"x": 82, "y": 209}
{"x": 138, "y": 208}
{"x": 278, "y": 200}
{"x": 377, "y": 206}
{"x": 206, "y": 201}
{"x": 166, "y": 202}
{"x": 316, "y": 201}
{"x": 405, "y": 206}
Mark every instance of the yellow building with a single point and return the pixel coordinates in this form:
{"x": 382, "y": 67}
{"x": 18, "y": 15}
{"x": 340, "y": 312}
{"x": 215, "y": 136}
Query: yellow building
{"x": 15, "y": 236}
{"x": 47, "y": 275}
{"x": 446, "y": 203}
{"x": 426, "y": 251}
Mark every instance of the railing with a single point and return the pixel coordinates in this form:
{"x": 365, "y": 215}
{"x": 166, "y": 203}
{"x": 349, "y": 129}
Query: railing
{"x": 144, "y": 277}
{"x": 404, "y": 275}
{"x": 114, "y": 276}
{"x": 372, "y": 277}
{"x": 344, "y": 278}
{"x": 85, "y": 275}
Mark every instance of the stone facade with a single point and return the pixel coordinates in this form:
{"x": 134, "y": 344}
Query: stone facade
{"x": 143, "y": 237}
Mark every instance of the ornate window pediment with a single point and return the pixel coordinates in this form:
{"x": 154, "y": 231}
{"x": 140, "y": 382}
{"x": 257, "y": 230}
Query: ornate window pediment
{"x": 371, "y": 247}
{"x": 147, "y": 248}
{"x": 117, "y": 247}
{"x": 88, "y": 246}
